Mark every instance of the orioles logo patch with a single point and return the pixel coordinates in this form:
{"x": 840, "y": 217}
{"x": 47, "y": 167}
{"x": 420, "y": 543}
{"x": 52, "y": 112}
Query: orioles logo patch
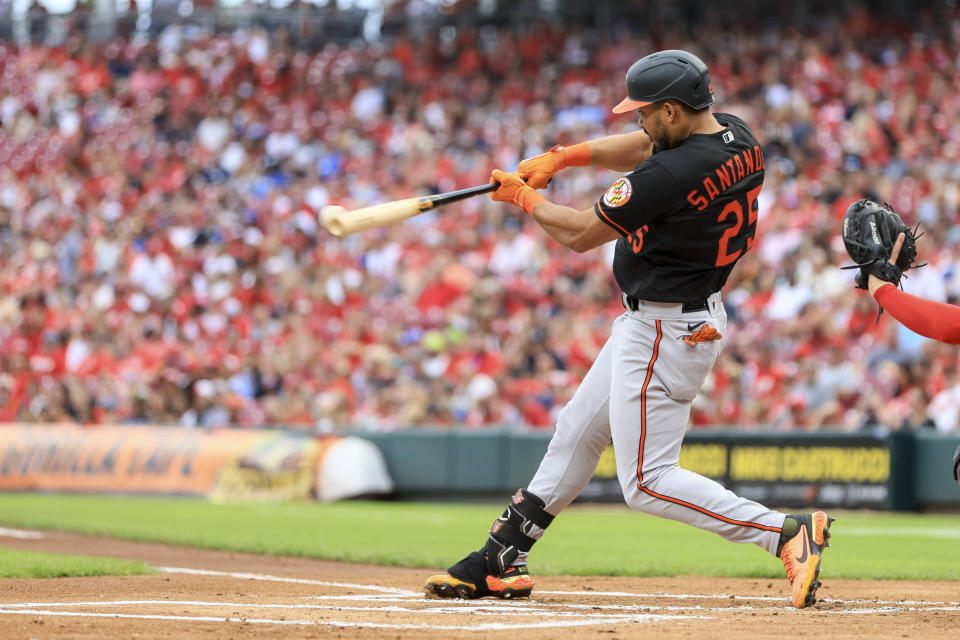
{"x": 619, "y": 193}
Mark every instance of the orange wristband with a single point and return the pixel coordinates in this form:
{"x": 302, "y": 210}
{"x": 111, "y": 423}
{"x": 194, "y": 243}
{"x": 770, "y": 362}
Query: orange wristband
{"x": 577, "y": 155}
{"x": 528, "y": 198}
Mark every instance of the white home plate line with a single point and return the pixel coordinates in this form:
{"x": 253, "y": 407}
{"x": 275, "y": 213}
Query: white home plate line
{"x": 87, "y": 614}
{"x": 858, "y": 611}
{"x": 269, "y": 578}
{"x": 475, "y": 607}
{"x": 888, "y": 610}
{"x": 484, "y": 611}
{"x": 20, "y": 533}
{"x": 370, "y": 597}
{"x": 390, "y": 597}
{"x": 727, "y": 596}
{"x": 890, "y": 607}
{"x": 555, "y": 618}
{"x": 676, "y": 596}
{"x": 899, "y": 603}
{"x": 390, "y": 592}
{"x": 492, "y": 626}
{"x": 672, "y": 596}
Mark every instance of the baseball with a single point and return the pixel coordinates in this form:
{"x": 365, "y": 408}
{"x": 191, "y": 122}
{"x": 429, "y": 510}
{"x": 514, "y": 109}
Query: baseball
{"x": 328, "y": 212}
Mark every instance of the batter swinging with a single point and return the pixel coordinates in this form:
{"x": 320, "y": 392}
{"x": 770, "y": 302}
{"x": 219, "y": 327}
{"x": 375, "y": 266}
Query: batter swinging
{"x": 682, "y": 216}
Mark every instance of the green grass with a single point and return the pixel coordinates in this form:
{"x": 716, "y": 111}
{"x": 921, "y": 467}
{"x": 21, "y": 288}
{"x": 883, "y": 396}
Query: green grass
{"x": 28, "y": 564}
{"x": 582, "y": 541}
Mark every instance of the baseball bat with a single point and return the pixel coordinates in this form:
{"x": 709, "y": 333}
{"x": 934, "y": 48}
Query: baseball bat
{"x": 340, "y": 222}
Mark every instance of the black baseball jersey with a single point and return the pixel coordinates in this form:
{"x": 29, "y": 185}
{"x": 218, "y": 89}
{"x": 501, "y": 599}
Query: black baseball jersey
{"x": 686, "y": 214}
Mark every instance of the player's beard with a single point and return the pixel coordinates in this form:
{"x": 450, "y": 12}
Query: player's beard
{"x": 664, "y": 142}
{"x": 658, "y": 133}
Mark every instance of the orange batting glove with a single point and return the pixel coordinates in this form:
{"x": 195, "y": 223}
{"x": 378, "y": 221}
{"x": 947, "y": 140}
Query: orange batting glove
{"x": 705, "y": 333}
{"x": 538, "y": 170}
{"x": 514, "y": 190}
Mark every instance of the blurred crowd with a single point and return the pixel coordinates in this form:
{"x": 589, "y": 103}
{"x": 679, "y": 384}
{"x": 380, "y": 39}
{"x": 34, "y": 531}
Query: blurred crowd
{"x": 161, "y": 259}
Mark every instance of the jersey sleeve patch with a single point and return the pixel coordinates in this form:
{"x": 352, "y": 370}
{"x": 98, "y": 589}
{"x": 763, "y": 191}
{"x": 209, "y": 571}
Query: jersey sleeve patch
{"x": 619, "y": 193}
{"x": 641, "y": 197}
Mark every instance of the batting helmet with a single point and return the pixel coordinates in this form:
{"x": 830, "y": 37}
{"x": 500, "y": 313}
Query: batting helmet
{"x": 673, "y": 73}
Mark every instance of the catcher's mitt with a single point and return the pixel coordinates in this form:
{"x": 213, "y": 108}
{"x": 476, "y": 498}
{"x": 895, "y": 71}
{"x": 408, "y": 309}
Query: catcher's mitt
{"x": 956, "y": 465}
{"x": 869, "y": 232}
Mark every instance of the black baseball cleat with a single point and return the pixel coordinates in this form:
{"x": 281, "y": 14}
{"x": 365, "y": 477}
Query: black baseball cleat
{"x": 515, "y": 582}
{"x": 801, "y": 556}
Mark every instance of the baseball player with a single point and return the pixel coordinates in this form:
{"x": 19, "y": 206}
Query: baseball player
{"x": 930, "y": 319}
{"x": 683, "y": 214}
{"x": 883, "y": 247}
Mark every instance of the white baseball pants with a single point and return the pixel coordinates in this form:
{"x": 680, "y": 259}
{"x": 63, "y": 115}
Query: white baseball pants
{"x": 638, "y": 394}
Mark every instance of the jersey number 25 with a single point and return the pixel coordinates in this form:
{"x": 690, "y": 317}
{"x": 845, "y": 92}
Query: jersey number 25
{"x": 724, "y": 257}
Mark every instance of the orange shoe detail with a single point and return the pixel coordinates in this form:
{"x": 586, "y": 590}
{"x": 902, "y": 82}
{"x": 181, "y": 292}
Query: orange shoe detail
{"x": 445, "y": 585}
{"x": 801, "y": 557}
{"x": 515, "y": 583}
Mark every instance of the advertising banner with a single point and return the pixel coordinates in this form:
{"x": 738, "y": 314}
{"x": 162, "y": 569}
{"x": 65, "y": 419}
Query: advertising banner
{"x": 789, "y": 471}
{"x": 226, "y": 464}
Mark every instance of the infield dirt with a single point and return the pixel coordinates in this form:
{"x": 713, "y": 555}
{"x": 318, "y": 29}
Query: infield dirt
{"x": 282, "y": 597}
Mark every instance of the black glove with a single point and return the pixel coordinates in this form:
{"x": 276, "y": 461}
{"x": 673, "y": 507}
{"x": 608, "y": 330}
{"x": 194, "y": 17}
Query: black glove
{"x": 869, "y": 232}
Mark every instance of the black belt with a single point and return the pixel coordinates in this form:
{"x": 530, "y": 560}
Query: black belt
{"x": 688, "y": 307}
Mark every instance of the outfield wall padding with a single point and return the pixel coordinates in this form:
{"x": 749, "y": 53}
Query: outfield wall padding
{"x": 227, "y": 465}
{"x": 904, "y": 470}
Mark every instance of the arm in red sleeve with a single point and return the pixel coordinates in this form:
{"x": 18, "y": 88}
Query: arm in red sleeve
{"x": 928, "y": 318}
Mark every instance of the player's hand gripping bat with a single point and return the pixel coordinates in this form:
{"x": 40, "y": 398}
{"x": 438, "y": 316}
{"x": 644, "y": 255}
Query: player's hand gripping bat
{"x": 341, "y": 222}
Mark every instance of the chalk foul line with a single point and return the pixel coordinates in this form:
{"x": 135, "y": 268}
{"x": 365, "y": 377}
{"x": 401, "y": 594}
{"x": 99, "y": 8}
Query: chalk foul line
{"x": 392, "y": 592}
{"x": 492, "y": 626}
{"x": 269, "y": 578}
{"x": 381, "y": 599}
{"x": 23, "y": 534}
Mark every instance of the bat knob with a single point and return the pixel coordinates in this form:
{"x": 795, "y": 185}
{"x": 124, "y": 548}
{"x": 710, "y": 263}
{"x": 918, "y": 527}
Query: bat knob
{"x": 330, "y": 219}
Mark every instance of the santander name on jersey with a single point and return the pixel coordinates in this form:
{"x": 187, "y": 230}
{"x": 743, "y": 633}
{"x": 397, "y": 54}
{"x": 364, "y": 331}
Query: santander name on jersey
{"x": 727, "y": 174}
